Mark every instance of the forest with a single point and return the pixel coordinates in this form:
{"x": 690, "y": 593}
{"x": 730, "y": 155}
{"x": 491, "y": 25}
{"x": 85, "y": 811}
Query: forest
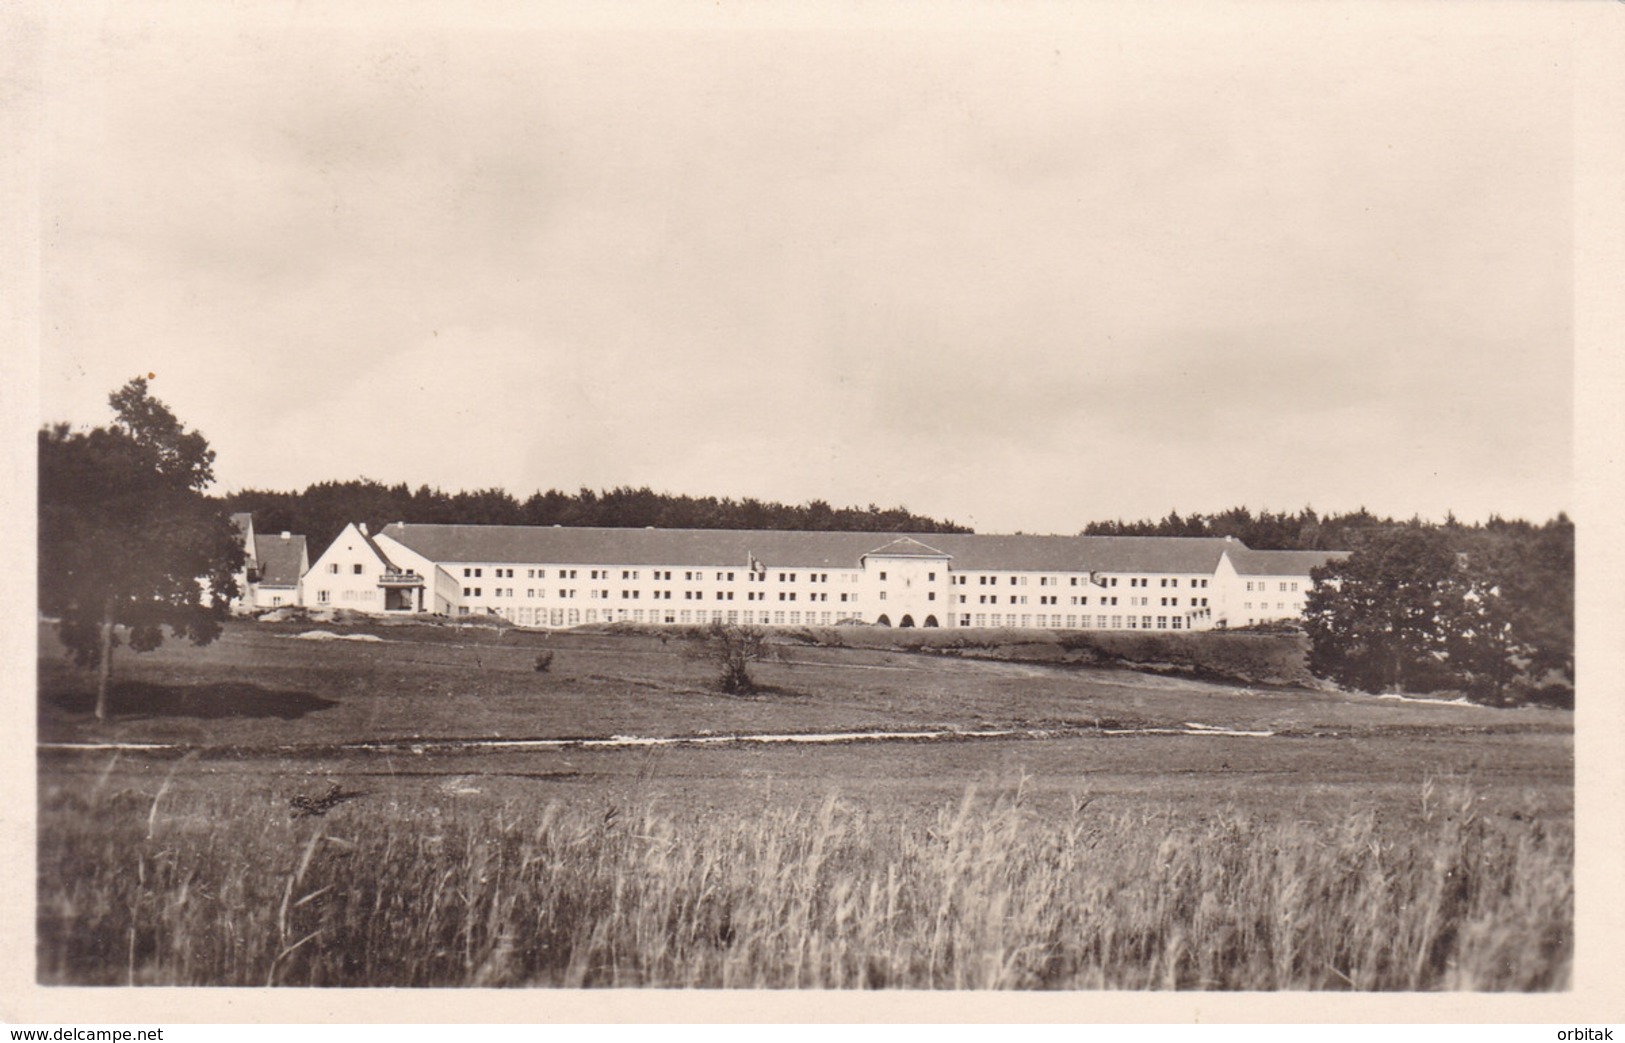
{"x": 1308, "y": 530}
{"x": 322, "y": 510}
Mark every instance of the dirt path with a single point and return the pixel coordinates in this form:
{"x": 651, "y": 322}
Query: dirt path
{"x": 641, "y": 742}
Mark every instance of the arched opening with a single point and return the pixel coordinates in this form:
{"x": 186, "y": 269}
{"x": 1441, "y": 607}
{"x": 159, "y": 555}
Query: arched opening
{"x": 931, "y": 621}
{"x": 907, "y": 621}
{"x": 883, "y": 621}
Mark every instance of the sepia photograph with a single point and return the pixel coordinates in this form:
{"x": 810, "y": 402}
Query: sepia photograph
{"x": 962, "y": 499}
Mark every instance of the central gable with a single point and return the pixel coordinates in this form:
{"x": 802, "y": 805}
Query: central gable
{"x": 907, "y": 547}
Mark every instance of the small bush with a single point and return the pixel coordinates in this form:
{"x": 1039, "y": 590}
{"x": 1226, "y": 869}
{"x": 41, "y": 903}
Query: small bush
{"x": 543, "y": 661}
{"x": 732, "y": 648}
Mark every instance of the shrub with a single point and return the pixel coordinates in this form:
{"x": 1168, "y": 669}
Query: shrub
{"x": 732, "y": 648}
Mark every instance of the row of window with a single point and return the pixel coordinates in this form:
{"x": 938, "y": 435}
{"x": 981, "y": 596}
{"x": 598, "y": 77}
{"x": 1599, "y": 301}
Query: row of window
{"x": 325, "y": 597}
{"x": 629, "y": 575}
{"x": 698, "y": 576}
{"x": 1197, "y": 582}
{"x": 1165, "y": 581}
{"x": 540, "y": 594}
{"x": 1050, "y": 599}
{"x": 526, "y": 616}
{"x": 559, "y": 617}
{"x": 509, "y": 592}
{"x": 1074, "y": 622}
{"x": 1263, "y": 585}
{"x": 478, "y": 572}
{"x": 567, "y": 616}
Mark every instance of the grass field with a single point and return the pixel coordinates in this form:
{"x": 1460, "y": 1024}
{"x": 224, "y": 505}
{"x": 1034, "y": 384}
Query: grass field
{"x": 1363, "y": 844}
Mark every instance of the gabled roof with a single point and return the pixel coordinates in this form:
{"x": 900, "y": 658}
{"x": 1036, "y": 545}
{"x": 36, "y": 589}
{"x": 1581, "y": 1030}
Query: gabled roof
{"x": 367, "y": 538}
{"x": 281, "y": 561}
{"x": 906, "y": 547}
{"x": 576, "y": 545}
{"x": 519, "y": 544}
{"x": 245, "y": 531}
{"x": 367, "y": 541}
{"x": 1249, "y": 562}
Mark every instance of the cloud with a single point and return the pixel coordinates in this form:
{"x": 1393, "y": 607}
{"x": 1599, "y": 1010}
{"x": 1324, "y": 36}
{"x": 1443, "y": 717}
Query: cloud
{"x": 1029, "y": 276}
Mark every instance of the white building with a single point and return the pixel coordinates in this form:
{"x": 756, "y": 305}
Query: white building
{"x": 355, "y": 572}
{"x": 273, "y": 568}
{"x": 1265, "y": 586}
{"x": 561, "y": 577}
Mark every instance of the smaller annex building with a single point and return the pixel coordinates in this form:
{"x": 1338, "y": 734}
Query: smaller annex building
{"x": 273, "y": 569}
{"x": 565, "y": 576}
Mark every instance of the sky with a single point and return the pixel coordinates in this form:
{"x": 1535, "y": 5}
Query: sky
{"x": 1019, "y": 267}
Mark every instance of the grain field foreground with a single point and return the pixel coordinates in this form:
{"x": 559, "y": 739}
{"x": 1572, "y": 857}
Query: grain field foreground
{"x": 201, "y": 888}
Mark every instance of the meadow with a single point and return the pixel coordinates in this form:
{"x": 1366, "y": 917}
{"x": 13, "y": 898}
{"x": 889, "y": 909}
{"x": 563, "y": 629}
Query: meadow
{"x": 1360, "y": 844}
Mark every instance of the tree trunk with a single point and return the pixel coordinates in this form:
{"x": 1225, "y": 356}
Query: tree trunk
{"x": 104, "y": 670}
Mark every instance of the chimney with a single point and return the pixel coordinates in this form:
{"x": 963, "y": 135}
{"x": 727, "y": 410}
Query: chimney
{"x": 363, "y": 527}
{"x": 287, "y": 535}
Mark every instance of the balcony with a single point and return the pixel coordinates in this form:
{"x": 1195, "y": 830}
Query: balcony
{"x": 400, "y": 579}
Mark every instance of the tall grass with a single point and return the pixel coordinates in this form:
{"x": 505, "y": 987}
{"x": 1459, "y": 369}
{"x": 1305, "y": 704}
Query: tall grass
{"x": 985, "y": 893}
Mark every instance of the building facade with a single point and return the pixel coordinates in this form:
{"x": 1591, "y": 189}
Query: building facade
{"x": 562, "y": 577}
{"x": 355, "y": 572}
{"x": 273, "y": 569}
{"x": 1266, "y": 586}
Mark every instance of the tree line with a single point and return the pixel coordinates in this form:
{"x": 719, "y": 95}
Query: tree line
{"x": 130, "y": 540}
{"x": 1484, "y": 608}
{"x": 1305, "y": 529}
{"x": 321, "y": 511}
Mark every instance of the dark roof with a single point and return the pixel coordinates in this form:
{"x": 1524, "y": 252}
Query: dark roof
{"x": 790, "y": 549}
{"x": 280, "y": 560}
{"x": 1249, "y": 562}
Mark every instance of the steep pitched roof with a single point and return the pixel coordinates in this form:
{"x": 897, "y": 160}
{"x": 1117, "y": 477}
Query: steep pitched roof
{"x": 491, "y": 544}
{"x": 366, "y": 537}
{"x": 245, "y": 532}
{"x": 367, "y": 541}
{"x": 281, "y": 560}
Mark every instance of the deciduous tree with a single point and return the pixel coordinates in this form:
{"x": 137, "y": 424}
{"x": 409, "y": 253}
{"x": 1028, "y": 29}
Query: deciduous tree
{"x": 1513, "y": 635}
{"x": 1378, "y": 619}
{"x": 127, "y": 537}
